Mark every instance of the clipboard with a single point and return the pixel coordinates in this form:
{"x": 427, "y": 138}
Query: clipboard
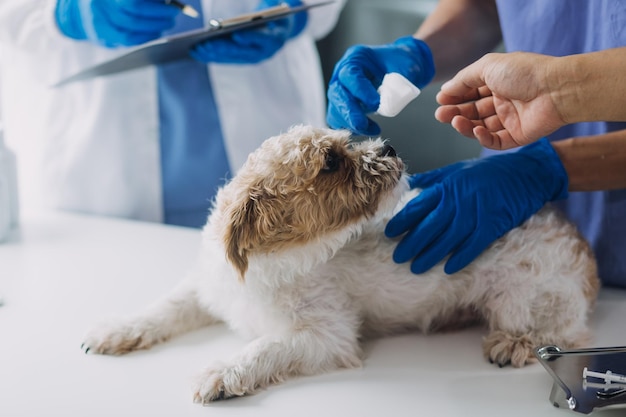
{"x": 176, "y": 47}
{"x": 570, "y": 390}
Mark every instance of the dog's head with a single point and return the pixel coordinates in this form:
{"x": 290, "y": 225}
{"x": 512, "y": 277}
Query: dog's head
{"x": 301, "y": 187}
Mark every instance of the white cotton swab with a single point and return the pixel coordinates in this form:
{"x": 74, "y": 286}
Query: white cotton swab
{"x": 395, "y": 93}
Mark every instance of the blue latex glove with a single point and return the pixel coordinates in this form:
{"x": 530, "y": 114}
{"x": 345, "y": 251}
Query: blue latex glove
{"x": 466, "y": 206}
{"x": 113, "y": 23}
{"x": 352, "y": 91}
{"x": 251, "y": 46}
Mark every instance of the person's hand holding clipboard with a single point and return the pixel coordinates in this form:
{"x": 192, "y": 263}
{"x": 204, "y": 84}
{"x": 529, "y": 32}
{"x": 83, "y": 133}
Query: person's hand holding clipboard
{"x": 253, "y": 45}
{"x": 247, "y": 38}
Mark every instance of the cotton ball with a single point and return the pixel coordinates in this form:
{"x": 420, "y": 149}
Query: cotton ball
{"x": 395, "y": 93}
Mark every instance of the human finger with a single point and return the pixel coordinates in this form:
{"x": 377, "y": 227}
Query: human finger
{"x": 420, "y": 238}
{"x": 465, "y": 126}
{"x": 466, "y": 253}
{"x": 355, "y": 80}
{"x": 430, "y": 178}
{"x": 498, "y": 140}
{"x": 467, "y": 80}
{"x": 445, "y": 114}
{"x": 443, "y": 98}
{"x": 487, "y": 138}
{"x": 482, "y": 108}
{"x": 346, "y": 112}
{"x": 474, "y": 95}
{"x": 493, "y": 123}
{"x": 414, "y": 212}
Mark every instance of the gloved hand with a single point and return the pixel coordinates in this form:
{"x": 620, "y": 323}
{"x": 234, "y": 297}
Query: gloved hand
{"x": 251, "y": 46}
{"x": 352, "y": 91}
{"x": 113, "y": 23}
{"x": 466, "y": 206}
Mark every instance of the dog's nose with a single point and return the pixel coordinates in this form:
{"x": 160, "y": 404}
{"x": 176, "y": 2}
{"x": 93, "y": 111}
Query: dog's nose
{"x": 388, "y": 150}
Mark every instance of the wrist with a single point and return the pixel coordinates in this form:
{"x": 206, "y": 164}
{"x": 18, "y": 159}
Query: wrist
{"x": 423, "y": 69}
{"x": 299, "y": 19}
{"x": 587, "y": 86}
{"x": 68, "y": 19}
{"x": 568, "y": 81}
{"x": 552, "y": 174}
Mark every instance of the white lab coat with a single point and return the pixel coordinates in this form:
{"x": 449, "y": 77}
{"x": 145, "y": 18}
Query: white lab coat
{"x": 93, "y": 146}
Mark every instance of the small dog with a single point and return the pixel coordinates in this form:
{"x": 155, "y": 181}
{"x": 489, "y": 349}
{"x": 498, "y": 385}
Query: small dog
{"x": 295, "y": 257}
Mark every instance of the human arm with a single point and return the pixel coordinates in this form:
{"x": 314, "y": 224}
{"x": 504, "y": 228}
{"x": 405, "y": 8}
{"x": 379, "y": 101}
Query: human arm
{"x": 508, "y": 100}
{"x": 466, "y": 206}
{"x": 113, "y": 23}
{"x": 460, "y": 31}
{"x": 31, "y": 41}
{"x": 594, "y": 163}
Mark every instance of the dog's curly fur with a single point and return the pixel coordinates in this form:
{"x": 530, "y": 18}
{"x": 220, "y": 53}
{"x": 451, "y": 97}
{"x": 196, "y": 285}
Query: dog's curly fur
{"x": 295, "y": 257}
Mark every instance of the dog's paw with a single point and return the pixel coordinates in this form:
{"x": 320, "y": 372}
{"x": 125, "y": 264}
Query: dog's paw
{"x": 116, "y": 338}
{"x": 223, "y": 382}
{"x": 503, "y": 349}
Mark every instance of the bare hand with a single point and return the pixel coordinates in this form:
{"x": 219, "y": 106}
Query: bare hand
{"x": 502, "y": 100}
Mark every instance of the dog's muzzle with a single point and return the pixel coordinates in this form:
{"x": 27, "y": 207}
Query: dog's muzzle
{"x": 388, "y": 150}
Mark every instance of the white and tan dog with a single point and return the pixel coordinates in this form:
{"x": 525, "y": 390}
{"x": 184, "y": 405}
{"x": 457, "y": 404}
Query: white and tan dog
{"x": 295, "y": 257}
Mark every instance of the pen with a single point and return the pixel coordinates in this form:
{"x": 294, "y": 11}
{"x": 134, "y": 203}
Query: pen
{"x": 185, "y": 8}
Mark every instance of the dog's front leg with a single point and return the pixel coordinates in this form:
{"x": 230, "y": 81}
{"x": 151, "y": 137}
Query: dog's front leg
{"x": 269, "y": 360}
{"x": 177, "y": 313}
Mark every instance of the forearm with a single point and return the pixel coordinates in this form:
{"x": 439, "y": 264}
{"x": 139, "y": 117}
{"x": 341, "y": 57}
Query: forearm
{"x": 459, "y": 32}
{"x": 594, "y": 163}
{"x": 591, "y": 87}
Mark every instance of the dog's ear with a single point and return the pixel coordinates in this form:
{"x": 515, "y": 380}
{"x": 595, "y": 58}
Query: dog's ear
{"x": 239, "y": 237}
{"x": 256, "y": 222}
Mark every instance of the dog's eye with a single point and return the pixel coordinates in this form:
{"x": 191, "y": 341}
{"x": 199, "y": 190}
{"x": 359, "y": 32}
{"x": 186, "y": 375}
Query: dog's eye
{"x": 332, "y": 162}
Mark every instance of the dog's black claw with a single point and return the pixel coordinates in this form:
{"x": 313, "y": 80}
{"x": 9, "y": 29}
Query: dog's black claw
{"x": 205, "y": 401}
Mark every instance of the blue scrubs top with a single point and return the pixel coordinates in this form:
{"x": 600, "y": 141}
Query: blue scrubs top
{"x": 565, "y": 27}
{"x": 193, "y": 156}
